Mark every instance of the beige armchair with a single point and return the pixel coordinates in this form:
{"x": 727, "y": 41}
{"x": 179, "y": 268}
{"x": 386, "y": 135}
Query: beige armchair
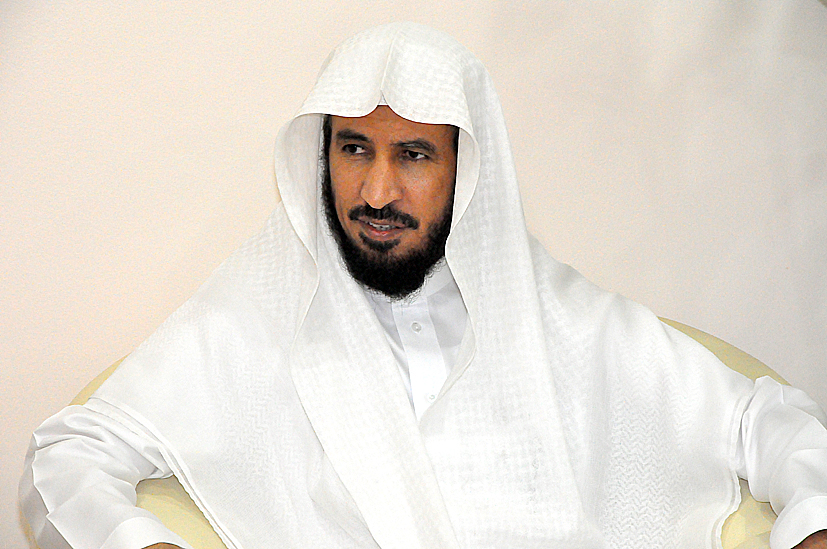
{"x": 748, "y": 528}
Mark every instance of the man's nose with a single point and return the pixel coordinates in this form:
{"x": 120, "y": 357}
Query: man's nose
{"x": 381, "y": 185}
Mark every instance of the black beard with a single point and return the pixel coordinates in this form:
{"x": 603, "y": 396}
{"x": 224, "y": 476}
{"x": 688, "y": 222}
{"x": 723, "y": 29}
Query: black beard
{"x": 377, "y": 268}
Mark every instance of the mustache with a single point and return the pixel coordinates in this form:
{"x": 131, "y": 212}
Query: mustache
{"x": 386, "y": 213}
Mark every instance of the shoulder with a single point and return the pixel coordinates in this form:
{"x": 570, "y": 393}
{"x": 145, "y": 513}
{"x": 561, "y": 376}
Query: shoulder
{"x": 566, "y": 296}
{"x": 622, "y": 333}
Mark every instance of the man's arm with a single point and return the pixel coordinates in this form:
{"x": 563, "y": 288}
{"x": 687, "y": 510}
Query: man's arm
{"x": 78, "y": 486}
{"x": 783, "y": 455}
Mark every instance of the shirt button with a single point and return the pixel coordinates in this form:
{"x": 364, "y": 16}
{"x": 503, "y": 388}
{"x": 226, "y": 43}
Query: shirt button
{"x": 431, "y": 397}
{"x": 416, "y": 327}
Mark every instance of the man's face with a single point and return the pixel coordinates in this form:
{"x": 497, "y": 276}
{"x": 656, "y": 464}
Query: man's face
{"x": 383, "y": 160}
{"x": 391, "y": 184}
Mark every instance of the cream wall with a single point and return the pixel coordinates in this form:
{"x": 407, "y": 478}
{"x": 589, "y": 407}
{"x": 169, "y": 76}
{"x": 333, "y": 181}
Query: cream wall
{"x": 673, "y": 152}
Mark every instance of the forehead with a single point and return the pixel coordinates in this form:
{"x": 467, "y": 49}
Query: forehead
{"x": 385, "y": 125}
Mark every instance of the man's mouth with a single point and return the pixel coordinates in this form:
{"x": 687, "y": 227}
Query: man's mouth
{"x": 382, "y": 229}
{"x": 387, "y": 218}
{"x": 383, "y": 225}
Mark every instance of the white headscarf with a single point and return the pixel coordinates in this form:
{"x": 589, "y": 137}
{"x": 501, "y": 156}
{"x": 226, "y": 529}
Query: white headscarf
{"x": 572, "y": 418}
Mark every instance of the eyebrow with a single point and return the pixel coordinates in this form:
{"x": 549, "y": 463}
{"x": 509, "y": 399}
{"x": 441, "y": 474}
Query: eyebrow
{"x": 424, "y": 145}
{"x": 421, "y": 144}
{"x": 350, "y": 135}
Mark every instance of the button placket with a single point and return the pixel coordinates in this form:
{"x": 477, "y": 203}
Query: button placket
{"x": 426, "y": 365}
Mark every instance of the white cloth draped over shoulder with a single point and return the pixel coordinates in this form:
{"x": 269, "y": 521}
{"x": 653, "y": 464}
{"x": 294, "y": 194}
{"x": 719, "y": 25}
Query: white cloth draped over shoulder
{"x": 572, "y": 417}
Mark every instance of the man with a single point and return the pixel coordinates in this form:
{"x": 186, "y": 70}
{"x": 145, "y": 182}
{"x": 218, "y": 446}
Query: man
{"x": 394, "y": 362}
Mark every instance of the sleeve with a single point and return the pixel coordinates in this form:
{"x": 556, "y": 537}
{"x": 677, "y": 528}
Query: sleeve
{"x": 782, "y": 453}
{"x": 78, "y": 485}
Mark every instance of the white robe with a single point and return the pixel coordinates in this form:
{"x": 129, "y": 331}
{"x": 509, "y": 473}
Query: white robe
{"x": 572, "y": 418}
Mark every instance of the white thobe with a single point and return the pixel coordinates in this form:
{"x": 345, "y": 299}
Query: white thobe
{"x": 424, "y": 331}
{"x": 91, "y": 509}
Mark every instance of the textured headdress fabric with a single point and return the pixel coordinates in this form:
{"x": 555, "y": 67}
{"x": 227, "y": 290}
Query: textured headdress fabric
{"x": 572, "y": 418}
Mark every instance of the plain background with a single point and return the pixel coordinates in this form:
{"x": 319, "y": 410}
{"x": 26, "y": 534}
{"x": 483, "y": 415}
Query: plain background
{"x": 675, "y": 152}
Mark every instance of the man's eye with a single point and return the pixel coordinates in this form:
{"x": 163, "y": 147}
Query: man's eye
{"x": 353, "y": 149}
{"x": 415, "y": 155}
